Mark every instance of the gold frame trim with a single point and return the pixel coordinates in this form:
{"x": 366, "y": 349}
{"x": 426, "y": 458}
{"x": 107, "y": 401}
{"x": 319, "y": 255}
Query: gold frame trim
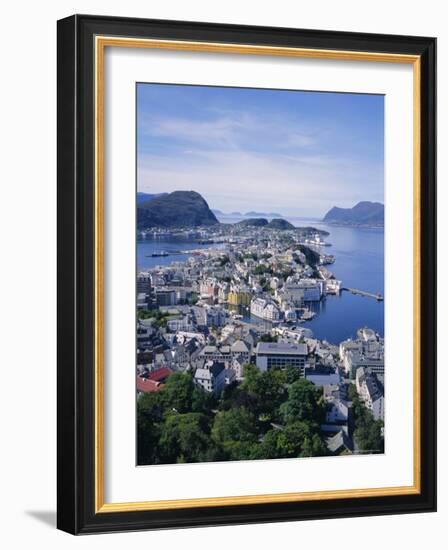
{"x": 101, "y": 42}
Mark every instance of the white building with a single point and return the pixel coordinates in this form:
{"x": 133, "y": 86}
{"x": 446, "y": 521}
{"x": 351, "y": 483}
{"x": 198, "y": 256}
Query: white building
{"x": 238, "y": 368}
{"x": 333, "y": 286}
{"x": 335, "y": 397}
{"x": 265, "y": 309}
{"x": 213, "y": 353}
{"x": 211, "y": 377}
{"x": 312, "y": 289}
{"x": 184, "y": 323}
{"x": 294, "y": 294}
{"x": 240, "y": 351}
{"x": 354, "y": 360}
{"x": 366, "y": 351}
{"x": 371, "y": 392}
{"x": 271, "y": 355}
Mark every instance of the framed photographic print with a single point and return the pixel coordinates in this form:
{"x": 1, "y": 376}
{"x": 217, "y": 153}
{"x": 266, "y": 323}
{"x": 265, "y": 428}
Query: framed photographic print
{"x": 246, "y": 274}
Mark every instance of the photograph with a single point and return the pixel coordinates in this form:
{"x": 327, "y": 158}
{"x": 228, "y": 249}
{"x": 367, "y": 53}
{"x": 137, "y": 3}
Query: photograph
{"x": 246, "y": 239}
{"x": 259, "y": 274}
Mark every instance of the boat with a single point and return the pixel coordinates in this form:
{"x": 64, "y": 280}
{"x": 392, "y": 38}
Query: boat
{"x": 307, "y": 315}
{"x": 162, "y": 254}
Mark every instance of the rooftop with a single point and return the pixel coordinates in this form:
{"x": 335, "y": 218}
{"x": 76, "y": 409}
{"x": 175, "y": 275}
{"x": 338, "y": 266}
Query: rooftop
{"x": 160, "y": 374}
{"x": 146, "y": 386}
{"x": 283, "y": 348}
{"x": 239, "y": 346}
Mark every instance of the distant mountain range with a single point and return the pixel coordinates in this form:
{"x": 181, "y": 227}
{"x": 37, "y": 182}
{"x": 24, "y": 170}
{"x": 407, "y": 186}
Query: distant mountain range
{"x": 364, "y": 213}
{"x": 189, "y": 209}
{"x": 230, "y": 214}
{"x": 263, "y": 215}
{"x": 177, "y": 209}
{"x": 247, "y": 214}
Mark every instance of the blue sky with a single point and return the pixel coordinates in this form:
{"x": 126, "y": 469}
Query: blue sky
{"x": 296, "y": 153}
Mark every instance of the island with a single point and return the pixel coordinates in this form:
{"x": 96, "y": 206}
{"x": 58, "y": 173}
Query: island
{"x": 363, "y": 214}
{"x": 177, "y": 209}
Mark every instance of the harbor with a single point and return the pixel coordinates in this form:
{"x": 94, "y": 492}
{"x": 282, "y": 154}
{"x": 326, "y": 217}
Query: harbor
{"x": 357, "y": 254}
{"x": 379, "y": 297}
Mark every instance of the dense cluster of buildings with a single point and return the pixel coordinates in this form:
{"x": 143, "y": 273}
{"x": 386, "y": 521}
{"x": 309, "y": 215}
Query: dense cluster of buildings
{"x": 195, "y": 316}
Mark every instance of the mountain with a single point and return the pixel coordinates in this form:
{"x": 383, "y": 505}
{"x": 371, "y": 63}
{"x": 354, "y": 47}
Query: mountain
{"x": 279, "y": 223}
{"x": 262, "y": 215}
{"x": 177, "y": 209}
{"x": 276, "y": 223}
{"x": 363, "y": 213}
{"x": 224, "y": 214}
{"x": 253, "y": 222}
{"x": 144, "y": 197}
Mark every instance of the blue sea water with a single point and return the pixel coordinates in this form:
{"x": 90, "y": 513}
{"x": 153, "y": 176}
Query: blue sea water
{"x": 359, "y": 254}
{"x": 166, "y": 243}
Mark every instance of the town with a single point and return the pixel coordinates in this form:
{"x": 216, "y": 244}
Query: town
{"x": 225, "y": 328}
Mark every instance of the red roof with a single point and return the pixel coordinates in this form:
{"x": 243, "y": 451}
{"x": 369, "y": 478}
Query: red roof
{"x": 159, "y": 375}
{"x": 144, "y": 385}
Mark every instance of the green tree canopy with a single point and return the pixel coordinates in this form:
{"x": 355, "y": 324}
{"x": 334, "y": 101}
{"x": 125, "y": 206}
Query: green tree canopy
{"x": 303, "y": 403}
{"x": 151, "y": 405}
{"x": 294, "y": 440}
{"x": 177, "y": 394}
{"x": 234, "y": 431}
{"x": 268, "y": 337}
{"x": 184, "y": 438}
{"x": 147, "y": 438}
{"x": 268, "y": 389}
{"x": 368, "y": 431}
{"x": 292, "y": 374}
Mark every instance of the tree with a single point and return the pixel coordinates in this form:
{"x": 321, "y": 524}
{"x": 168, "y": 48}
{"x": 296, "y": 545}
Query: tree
{"x": 147, "y": 438}
{"x": 193, "y": 298}
{"x": 303, "y": 403}
{"x": 261, "y": 269}
{"x": 368, "y": 434}
{"x": 184, "y": 438}
{"x": 295, "y": 440}
{"x": 368, "y": 431}
{"x": 268, "y": 389}
{"x": 268, "y": 337}
{"x": 314, "y": 447}
{"x": 292, "y": 374}
{"x": 177, "y": 393}
{"x": 234, "y": 431}
{"x": 234, "y": 396}
{"x": 151, "y": 405}
{"x": 202, "y": 401}
{"x": 352, "y": 392}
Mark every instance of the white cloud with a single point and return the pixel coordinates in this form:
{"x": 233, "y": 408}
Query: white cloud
{"x": 231, "y": 130}
{"x": 239, "y": 161}
{"x": 241, "y": 180}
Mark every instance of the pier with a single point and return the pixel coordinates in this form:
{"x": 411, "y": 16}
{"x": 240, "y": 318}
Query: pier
{"x": 358, "y": 292}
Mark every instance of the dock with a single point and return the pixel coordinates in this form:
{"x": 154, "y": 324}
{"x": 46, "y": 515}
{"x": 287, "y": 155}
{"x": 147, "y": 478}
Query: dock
{"x": 379, "y": 297}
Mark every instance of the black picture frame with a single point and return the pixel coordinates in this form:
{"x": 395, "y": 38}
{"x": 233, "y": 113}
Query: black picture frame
{"x": 76, "y": 255}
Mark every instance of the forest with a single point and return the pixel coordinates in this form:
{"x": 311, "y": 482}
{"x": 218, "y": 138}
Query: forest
{"x": 273, "y": 414}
